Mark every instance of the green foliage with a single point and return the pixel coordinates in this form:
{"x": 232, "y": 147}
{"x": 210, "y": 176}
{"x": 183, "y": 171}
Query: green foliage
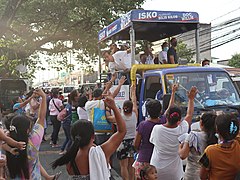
{"x": 54, "y": 27}
{"x": 235, "y": 60}
{"x": 184, "y": 52}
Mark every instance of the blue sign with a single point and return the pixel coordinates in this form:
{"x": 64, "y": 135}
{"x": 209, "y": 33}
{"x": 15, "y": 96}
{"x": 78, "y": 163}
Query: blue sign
{"x": 164, "y": 16}
{"x": 146, "y": 16}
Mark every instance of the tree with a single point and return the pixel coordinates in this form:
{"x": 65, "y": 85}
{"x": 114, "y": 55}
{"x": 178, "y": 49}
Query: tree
{"x": 184, "y": 52}
{"x": 235, "y": 60}
{"x": 54, "y": 27}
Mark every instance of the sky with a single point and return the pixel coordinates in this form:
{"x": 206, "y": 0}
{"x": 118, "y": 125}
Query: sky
{"x": 210, "y": 11}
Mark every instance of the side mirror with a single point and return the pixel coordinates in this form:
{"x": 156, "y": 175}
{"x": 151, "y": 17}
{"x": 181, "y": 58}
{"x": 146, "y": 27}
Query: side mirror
{"x": 166, "y": 100}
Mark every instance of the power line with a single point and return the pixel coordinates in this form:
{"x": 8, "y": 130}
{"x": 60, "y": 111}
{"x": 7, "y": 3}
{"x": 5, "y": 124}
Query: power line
{"x": 225, "y": 14}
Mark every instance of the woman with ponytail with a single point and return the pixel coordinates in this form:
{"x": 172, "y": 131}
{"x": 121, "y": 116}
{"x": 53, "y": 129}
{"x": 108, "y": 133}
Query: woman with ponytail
{"x": 222, "y": 160}
{"x": 195, "y": 144}
{"x": 83, "y": 159}
{"x": 165, "y": 140}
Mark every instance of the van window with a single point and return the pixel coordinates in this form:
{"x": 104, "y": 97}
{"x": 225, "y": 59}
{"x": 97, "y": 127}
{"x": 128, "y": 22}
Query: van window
{"x": 214, "y": 88}
{"x": 152, "y": 86}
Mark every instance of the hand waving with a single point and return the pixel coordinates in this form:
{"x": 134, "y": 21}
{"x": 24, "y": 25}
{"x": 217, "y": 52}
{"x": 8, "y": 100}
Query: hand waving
{"x": 192, "y": 93}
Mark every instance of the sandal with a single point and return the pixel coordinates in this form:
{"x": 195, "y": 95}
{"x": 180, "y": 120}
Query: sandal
{"x": 57, "y": 175}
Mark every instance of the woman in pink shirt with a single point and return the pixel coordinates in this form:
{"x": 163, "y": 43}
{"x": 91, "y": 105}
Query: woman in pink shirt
{"x": 55, "y": 106}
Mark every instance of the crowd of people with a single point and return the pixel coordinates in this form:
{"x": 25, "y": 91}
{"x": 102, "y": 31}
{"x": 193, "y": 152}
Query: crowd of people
{"x": 96, "y": 129}
{"x": 150, "y": 148}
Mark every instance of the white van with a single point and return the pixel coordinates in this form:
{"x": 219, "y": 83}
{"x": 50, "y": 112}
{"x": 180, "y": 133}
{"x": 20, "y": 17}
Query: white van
{"x": 66, "y": 90}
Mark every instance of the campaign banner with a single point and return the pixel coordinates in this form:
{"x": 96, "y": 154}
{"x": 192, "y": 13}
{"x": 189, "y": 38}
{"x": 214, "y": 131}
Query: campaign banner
{"x": 114, "y": 27}
{"x": 146, "y": 16}
{"x": 164, "y": 16}
{"x": 122, "y": 95}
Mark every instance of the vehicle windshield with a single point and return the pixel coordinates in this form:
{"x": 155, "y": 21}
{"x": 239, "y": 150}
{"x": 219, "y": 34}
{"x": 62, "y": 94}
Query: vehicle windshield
{"x": 214, "y": 88}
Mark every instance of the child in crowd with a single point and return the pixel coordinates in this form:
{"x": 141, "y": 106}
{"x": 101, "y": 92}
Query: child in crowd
{"x": 148, "y": 172}
{"x": 144, "y": 129}
{"x": 195, "y": 144}
{"x": 165, "y": 140}
{"x": 222, "y": 160}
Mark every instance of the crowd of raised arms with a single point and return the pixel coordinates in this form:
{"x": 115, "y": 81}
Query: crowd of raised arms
{"x": 150, "y": 148}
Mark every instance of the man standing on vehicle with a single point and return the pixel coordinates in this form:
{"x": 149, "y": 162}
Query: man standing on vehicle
{"x": 172, "y": 56}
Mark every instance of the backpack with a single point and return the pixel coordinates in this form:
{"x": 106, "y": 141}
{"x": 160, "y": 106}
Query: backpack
{"x": 100, "y": 123}
{"x": 65, "y": 113}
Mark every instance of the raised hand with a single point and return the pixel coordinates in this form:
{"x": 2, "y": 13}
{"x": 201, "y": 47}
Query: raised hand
{"x": 109, "y": 101}
{"x": 192, "y": 93}
{"x": 174, "y": 87}
{"x": 122, "y": 80}
{"x": 39, "y": 92}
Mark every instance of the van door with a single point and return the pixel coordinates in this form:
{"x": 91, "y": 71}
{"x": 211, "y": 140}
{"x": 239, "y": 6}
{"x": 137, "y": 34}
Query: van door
{"x": 151, "y": 88}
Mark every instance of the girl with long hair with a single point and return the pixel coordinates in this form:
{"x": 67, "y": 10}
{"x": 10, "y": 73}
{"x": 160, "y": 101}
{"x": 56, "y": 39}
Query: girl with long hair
{"x": 84, "y": 160}
{"x": 195, "y": 144}
{"x": 26, "y": 164}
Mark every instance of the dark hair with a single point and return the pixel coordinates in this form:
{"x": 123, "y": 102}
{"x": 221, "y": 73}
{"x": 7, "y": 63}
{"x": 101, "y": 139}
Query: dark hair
{"x": 145, "y": 170}
{"x": 55, "y": 92}
{"x": 208, "y": 122}
{"x": 227, "y": 126}
{"x": 19, "y": 131}
{"x": 97, "y": 92}
{"x": 153, "y": 108}
{"x": 82, "y": 101}
{"x": 174, "y": 115}
{"x": 163, "y": 44}
{"x": 106, "y": 52}
{"x": 72, "y": 95}
{"x": 29, "y": 94}
{"x": 173, "y": 39}
{"x": 127, "y": 106}
{"x": 82, "y": 132}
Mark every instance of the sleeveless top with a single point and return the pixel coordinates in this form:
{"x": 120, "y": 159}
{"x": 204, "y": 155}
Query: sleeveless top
{"x": 131, "y": 124}
{"x": 78, "y": 176}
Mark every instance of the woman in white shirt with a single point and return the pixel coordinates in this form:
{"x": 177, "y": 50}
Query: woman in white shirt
{"x": 165, "y": 140}
{"x": 82, "y": 113}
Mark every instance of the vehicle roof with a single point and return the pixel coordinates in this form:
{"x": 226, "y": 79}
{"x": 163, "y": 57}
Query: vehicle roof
{"x": 151, "y": 25}
{"x": 180, "y": 69}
